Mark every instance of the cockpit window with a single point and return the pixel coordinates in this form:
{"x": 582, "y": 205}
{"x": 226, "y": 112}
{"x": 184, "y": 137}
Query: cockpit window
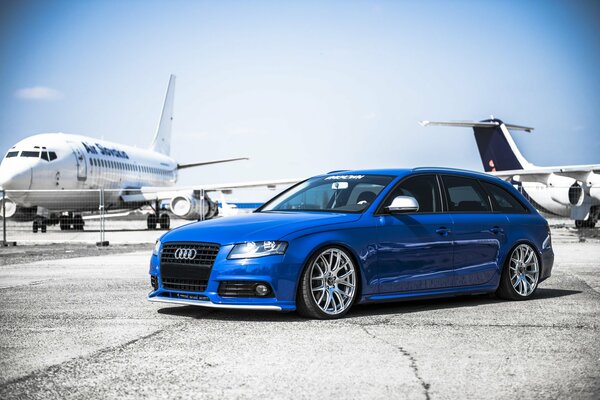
{"x": 52, "y": 155}
{"x": 45, "y": 155}
{"x": 32, "y": 154}
{"x": 12, "y": 154}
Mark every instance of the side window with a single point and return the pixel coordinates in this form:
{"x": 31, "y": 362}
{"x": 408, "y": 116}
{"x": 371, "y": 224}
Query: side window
{"x": 503, "y": 201}
{"x": 424, "y": 188}
{"x": 465, "y": 195}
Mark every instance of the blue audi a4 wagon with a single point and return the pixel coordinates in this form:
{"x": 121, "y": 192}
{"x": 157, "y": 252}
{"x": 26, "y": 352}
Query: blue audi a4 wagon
{"x": 350, "y": 237}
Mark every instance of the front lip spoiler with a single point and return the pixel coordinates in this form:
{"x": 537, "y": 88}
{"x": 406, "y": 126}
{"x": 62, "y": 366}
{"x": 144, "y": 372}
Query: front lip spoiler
{"x": 209, "y": 304}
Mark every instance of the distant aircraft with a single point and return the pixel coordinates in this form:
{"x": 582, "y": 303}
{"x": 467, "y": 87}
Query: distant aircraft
{"x": 570, "y": 191}
{"x": 67, "y": 164}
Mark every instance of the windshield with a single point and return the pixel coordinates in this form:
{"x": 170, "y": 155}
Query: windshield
{"x": 333, "y": 193}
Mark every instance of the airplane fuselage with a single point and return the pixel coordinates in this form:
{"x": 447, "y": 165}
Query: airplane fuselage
{"x": 70, "y": 164}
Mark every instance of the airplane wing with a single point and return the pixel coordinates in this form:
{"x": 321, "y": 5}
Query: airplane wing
{"x": 200, "y": 164}
{"x": 578, "y": 172}
{"x": 160, "y": 193}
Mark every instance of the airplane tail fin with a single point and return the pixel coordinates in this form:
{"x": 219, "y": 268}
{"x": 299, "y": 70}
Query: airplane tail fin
{"x": 162, "y": 139}
{"x": 497, "y": 149}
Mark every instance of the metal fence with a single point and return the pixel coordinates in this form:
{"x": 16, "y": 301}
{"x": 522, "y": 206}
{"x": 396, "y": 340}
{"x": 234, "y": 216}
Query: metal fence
{"x": 90, "y": 216}
{"x": 110, "y": 216}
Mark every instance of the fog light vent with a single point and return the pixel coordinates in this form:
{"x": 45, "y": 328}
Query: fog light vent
{"x": 154, "y": 282}
{"x": 245, "y": 289}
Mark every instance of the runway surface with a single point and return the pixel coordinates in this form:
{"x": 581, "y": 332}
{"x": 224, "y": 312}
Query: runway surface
{"x": 81, "y": 328}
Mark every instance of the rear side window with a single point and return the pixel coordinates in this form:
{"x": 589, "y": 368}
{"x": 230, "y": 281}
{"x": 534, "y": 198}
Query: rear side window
{"x": 465, "y": 195}
{"x": 502, "y": 200}
{"x": 424, "y": 188}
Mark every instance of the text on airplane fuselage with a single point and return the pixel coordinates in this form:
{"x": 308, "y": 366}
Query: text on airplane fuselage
{"x": 99, "y": 149}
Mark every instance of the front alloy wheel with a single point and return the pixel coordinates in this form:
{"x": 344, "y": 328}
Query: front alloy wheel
{"x": 520, "y": 276}
{"x": 328, "y": 286}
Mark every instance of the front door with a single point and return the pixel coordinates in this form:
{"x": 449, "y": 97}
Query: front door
{"x": 81, "y": 162}
{"x": 414, "y": 250}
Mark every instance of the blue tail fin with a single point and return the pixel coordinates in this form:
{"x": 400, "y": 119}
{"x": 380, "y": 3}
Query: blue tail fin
{"x": 497, "y": 149}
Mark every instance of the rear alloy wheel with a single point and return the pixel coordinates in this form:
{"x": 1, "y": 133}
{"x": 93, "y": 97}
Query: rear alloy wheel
{"x": 328, "y": 285}
{"x": 520, "y": 275}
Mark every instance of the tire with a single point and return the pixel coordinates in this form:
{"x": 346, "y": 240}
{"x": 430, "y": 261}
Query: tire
{"x": 43, "y": 226}
{"x": 579, "y": 223}
{"x": 63, "y": 221}
{"x": 78, "y": 223}
{"x": 520, "y": 275}
{"x": 151, "y": 221}
{"x": 35, "y": 226}
{"x": 328, "y": 285}
{"x": 164, "y": 221}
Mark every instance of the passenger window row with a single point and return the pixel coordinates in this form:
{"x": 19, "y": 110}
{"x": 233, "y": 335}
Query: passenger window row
{"x": 110, "y": 164}
{"x": 462, "y": 194}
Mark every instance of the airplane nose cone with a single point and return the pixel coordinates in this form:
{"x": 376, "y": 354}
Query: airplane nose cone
{"x": 15, "y": 179}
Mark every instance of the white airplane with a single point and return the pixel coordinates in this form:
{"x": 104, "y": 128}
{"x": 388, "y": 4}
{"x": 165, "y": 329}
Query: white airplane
{"x": 570, "y": 191}
{"x": 45, "y": 177}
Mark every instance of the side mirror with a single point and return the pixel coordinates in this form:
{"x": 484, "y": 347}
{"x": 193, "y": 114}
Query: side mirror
{"x": 403, "y": 204}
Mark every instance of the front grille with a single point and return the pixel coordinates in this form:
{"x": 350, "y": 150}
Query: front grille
{"x": 242, "y": 289}
{"x": 185, "y": 285}
{"x": 206, "y": 253}
{"x": 187, "y": 275}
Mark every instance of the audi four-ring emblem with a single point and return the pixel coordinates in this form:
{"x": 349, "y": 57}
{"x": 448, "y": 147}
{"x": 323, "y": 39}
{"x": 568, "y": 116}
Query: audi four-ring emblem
{"x": 185, "y": 254}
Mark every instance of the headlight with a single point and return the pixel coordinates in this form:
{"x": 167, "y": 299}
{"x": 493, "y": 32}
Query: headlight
{"x": 156, "y": 249}
{"x": 257, "y": 249}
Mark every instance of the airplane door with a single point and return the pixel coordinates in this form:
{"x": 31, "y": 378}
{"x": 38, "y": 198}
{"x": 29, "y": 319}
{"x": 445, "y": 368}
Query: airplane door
{"x": 81, "y": 162}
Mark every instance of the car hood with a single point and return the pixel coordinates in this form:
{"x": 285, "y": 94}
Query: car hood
{"x": 254, "y": 227}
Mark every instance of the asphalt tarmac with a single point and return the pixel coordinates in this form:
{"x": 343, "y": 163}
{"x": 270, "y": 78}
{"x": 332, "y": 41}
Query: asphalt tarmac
{"x": 82, "y": 328}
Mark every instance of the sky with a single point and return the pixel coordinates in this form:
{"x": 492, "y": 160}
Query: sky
{"x": 305, "y": 87}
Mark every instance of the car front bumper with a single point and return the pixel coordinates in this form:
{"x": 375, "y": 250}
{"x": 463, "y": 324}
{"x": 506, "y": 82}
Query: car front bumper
{"x": 281, "y": 276}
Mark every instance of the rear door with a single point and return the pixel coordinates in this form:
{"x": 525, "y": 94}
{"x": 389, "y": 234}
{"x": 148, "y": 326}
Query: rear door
{"x": 479, "y": 233}
{"x": 414, "y": 250}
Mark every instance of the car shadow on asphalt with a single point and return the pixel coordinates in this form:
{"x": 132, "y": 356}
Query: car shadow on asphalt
{"x": 359, "y": 310}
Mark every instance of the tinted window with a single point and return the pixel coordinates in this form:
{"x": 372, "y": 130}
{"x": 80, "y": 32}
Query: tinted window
{"x": 465, "y": 195}
{"x": 502, "y": 200}
{"x": 12, "y": 154}
{"x": 52, "y": 155}
{"x": 34, "y": 154}
{"x": 423, "y": 188}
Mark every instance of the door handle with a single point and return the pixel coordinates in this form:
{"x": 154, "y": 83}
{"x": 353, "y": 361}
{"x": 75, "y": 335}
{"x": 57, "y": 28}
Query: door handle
{"x": 496, "y": 230}
{"x": 442, "y": 230}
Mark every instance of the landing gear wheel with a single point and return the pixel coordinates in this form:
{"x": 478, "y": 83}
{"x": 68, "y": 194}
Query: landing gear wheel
{"x": 35, "y": 226}
{"x": 520, "y": 274}
{"x": 164, "y": 221}
{"x": 579, "y": 223}
{"x": 328, "y": 285}
{"x": 64, "y": 223}
{"x": 151, "y": 221}
{"x": 43, "y": 226}
{"x": 78, "y": 223}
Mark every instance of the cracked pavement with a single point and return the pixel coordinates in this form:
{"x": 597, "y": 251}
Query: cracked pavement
{"x": 81, "y": 328}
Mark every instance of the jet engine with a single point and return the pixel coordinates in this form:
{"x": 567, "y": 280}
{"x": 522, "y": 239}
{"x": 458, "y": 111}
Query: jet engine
{"x": 193, "y": 206}
{"x": 568, "y": 196}
{"x": 11, "y": 208}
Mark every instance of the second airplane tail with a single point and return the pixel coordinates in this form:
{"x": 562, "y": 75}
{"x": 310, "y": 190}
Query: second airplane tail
{"x": 497, "y": 149}
{"x": 162, "y": 139}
